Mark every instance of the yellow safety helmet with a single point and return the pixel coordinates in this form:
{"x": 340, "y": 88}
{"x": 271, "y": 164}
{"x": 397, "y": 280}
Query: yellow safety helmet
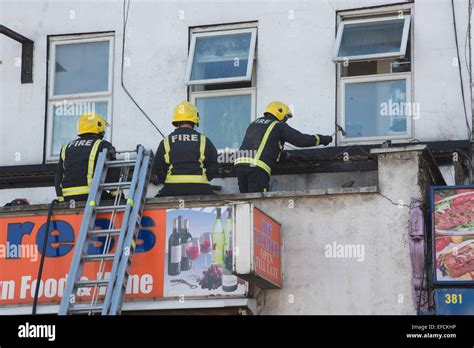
{"x": 185, "y": 112}
{"x": 279, "y": 109}
{"x": 91, "y": 122}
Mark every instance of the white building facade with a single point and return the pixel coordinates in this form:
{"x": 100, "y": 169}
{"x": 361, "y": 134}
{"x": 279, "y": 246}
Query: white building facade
{"x": 388, "y": 71}
{"x": 384, "y": 70}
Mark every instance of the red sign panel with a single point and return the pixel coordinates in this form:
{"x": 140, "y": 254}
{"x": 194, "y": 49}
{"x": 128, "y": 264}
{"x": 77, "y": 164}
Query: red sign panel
{"x": 267, "y": 248}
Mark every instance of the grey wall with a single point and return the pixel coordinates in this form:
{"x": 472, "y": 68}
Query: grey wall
{"x": 381, "y": 282}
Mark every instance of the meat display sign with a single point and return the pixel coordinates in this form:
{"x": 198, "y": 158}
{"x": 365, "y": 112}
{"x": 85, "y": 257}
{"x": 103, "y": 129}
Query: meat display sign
{"x": 453, "y": 234}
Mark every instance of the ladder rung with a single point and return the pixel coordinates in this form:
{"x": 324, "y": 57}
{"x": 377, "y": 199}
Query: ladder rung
{"x": 88, "y": 283}
{"x": 127, "y": 151}
{"x": 105, "y": 233}
{"x": 120, "y": 163}
{"x": 112, "y": 185}
{"x": 110, "y": 208}
{"x": 100, "y": 257}
{"x": 86, "y": 309}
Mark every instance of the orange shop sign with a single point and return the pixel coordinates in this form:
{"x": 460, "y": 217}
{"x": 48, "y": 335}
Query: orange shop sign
{"x": 21, "y": 239}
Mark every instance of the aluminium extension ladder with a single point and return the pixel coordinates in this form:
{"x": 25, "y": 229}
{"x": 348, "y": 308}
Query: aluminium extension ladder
{"x": 127, "y": 233}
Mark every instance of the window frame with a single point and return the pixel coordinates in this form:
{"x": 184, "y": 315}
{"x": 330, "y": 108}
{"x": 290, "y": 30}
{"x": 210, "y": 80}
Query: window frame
{"x": 78, "y": 40}
{"x": 399, "y": 54}
{"x": 251, "y": 57}
{"x": 343, "y": 81}
{"x": 225, "y": 93}
{"x": 52, "y": 100}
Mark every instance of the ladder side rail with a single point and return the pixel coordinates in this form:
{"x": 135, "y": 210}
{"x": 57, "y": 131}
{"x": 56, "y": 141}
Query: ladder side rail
{"x": 123, "y": 232}
{"x": 132, "y": 232}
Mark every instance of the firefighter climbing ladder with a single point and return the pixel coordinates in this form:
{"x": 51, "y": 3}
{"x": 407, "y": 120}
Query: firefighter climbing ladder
{"x": 133, "y": 207}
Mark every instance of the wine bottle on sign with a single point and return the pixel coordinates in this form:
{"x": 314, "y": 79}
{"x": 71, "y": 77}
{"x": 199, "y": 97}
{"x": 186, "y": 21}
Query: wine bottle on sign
{"x": 218, "y": 240}
{"x": 174, "y": 251}
{"x": 229, "y": 281}
{"x": 186, "y": 241}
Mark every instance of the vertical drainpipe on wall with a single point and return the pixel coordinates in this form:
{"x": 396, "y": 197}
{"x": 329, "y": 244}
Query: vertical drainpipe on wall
{"x": 417, "y": 254}
{"x": 470, "y": 8}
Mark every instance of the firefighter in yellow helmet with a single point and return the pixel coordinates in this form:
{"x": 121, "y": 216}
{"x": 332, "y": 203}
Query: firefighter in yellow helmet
{"x": 262, "y": 147}
{"x": 78, "y": 158}
{"x": 185, "y": 160}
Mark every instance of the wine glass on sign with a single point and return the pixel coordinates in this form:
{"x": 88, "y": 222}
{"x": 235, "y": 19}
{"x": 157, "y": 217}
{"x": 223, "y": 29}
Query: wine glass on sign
{"x": 206, "y": 246}
{"x": 193, "y": 251}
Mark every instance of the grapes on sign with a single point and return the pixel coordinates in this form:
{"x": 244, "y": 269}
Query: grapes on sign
{"x": 212, "y": 278}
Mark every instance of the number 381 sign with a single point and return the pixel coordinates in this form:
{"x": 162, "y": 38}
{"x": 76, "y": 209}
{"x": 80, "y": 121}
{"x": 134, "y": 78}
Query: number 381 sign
{"x": 454, "y": 301}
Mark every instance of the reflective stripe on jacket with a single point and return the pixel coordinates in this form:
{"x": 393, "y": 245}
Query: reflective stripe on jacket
{"x": 76, "y": 165}
{"x": 185, "y": 157}
{"x": 264, "y": 141}
{"x": 256, "y": 160}
{"x": 172, "y": 178}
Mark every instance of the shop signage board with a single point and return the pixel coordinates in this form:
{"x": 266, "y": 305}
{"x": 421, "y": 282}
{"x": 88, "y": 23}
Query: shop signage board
{"x": 258, "y": 256}
{"x": 455, "y": 301}
{"x": 452, "y": 220}
{"x": 21, "y": 238}
{"x": 181, "y": 253}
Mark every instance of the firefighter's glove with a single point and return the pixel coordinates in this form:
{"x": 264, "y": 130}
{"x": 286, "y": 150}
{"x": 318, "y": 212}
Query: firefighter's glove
{"x": 325, "y": 140}
{"x": 154, "y": 179}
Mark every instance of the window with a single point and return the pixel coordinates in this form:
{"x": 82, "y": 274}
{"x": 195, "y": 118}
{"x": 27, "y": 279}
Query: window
{"x": 374, "y": 78}
{"x": 225, "y": 115}
{"x": 372, "y": 38}
{"x": 375, "y": 108}
{"x": 80, "y": 80}
{"x": 219, "y": 57}
{"x": 221, "y": 78}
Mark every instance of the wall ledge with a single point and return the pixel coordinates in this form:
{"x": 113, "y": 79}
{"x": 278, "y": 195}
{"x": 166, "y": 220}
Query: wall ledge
{"x": 409, "y": 148}
{"x": 172, "y": 202}
{"x": 427, "y": 160}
